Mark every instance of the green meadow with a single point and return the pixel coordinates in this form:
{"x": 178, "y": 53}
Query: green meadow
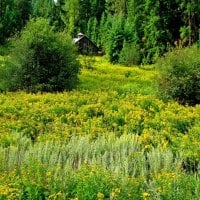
{"x": 110, "y": 138}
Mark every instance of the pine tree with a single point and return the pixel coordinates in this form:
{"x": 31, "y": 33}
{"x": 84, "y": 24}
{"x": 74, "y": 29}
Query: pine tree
{"x": 71, "y": 16}
{"x": 115, "y": 38}
{"x": 191, "y": 21}
{"x": 92, "y": 29}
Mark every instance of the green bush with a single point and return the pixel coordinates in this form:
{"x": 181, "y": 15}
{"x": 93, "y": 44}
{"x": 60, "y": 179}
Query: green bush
{"x": 129, "y": 55}
{"x": 179, "y": 77}
{"x": 46, "y": 61}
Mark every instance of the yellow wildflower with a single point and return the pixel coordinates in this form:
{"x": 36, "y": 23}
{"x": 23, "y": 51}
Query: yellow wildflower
{"x": 100, "y": 196}
{"x": 146, "y": 196}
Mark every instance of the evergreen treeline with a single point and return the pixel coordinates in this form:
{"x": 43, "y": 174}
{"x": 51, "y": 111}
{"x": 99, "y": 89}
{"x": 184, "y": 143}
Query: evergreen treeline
{"x": 147, "y": 28}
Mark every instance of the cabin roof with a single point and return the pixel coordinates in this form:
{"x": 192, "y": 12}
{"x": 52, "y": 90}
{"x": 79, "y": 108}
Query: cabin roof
{"x": 80, "y": 37}
{"x": 84, "y": 43}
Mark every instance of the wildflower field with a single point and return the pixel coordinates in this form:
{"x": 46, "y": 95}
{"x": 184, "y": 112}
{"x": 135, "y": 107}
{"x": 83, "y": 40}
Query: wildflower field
{"x": 110, "y": 138}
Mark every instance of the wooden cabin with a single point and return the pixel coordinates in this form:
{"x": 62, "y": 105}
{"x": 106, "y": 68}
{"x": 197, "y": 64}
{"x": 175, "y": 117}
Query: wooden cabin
{"x": 85, "y": 45}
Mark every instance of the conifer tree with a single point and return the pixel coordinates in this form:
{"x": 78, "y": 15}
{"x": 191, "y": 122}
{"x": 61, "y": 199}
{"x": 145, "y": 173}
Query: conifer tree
{"x": 115, "y": 38}
{"x": 191, "y": 21}
{"x": 71, "y": 16}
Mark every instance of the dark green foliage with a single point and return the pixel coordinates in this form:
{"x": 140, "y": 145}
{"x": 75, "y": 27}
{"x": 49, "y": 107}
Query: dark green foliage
{"x": 189, "y": 30}
{"x": 7, "y": 19}
{"x": 9, "y": 75}
{"x": 46, "y": 61}
{"x": 13, "y": 16}
{"x": 180, "y": 75}
{"x": 24, "y": 10}
{"x": 97, "y": 8}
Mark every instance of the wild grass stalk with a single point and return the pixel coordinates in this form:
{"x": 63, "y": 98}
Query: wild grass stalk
{"x": 123, "y": 155}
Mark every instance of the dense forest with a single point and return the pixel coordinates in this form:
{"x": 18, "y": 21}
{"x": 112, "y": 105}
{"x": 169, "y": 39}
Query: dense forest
{"x": 147, "y": 28}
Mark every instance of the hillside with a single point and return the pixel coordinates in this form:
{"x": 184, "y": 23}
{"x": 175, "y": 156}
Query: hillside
{"x": 110, "y": 138}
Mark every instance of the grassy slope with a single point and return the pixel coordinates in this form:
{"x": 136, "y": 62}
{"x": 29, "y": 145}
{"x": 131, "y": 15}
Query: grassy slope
{"x": 105, "y": 76}
{"x": 127, "y": 143}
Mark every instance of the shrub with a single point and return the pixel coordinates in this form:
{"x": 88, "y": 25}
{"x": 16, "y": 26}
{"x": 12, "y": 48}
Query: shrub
{"x": 179, "y": 77}
{"x": 46, "y": 61}
{"x": 129, "y": 55}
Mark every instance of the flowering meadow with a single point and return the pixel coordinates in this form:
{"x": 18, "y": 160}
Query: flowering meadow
{"x": 110, "y": 138}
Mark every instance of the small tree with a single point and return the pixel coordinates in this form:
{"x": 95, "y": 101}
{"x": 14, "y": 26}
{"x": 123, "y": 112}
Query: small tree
{"x": 129, "y": 55}
{"x": 115, "y": 38}
{"x": 46, "y": 61}
{"x": 180, "y": 75}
